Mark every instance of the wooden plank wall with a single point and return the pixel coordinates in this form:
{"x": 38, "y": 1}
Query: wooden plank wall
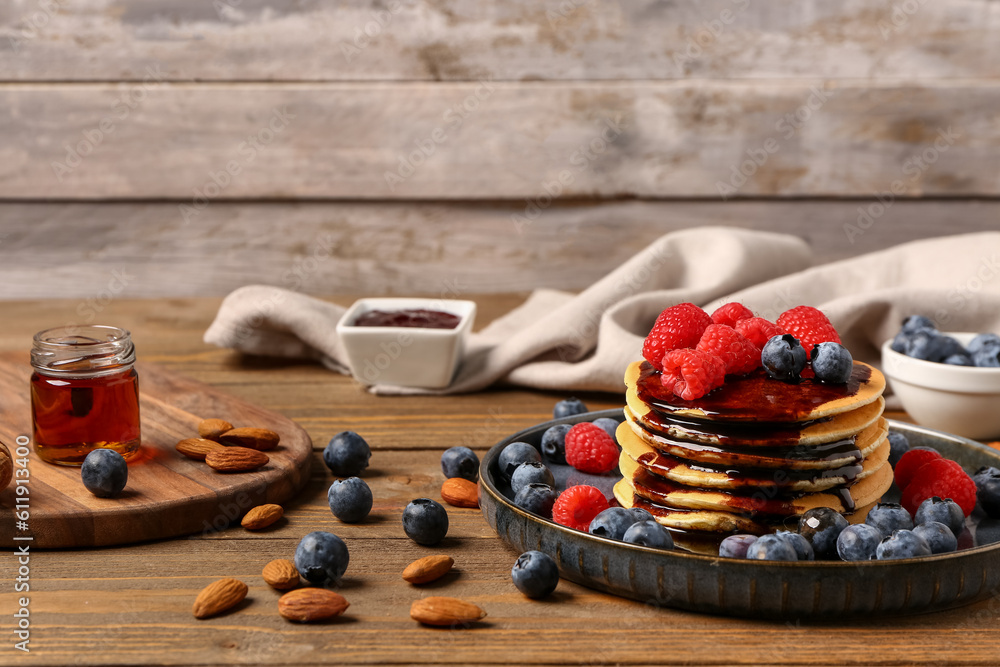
{"x": 374, "y": 146}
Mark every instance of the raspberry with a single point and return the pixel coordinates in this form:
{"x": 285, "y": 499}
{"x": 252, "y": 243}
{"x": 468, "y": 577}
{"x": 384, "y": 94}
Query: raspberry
{"x": 942, "y": 478}
{"x": 691, "y": 374}
{"x": 730, "y": 313}
{"x": 676, "y": 327}
{"x": 589, "y": 448}
{"x": 739, "y": 354}
{"x": 577, "y": 506}
{"x": 758, "y": 331}
{"x": 809, "y": 325}
{"x": 910, "y": 462}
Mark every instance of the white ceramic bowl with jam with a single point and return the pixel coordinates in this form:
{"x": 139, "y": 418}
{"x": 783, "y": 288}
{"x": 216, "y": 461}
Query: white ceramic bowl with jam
{"x": 963, "y": 400}
{"x": 407, "y": 342}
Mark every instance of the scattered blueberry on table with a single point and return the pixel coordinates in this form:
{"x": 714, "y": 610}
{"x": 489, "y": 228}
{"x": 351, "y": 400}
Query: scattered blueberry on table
{"x": 460, "y": 462}
{"x": 347, "y": 454}
{"x": 350, "y": 499}
{"x": 535, "y": 574}
{"x": 425, "y": 521}
{"x": 104, "y": 473}
{"x": 321, "y": 557}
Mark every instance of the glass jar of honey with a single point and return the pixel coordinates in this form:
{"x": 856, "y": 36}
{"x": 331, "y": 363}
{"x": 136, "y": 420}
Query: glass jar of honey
{"x": 84, "y": 393}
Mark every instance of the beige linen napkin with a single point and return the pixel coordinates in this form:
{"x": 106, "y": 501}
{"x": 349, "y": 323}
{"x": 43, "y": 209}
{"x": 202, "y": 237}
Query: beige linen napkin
{"x": 557, "y": 340}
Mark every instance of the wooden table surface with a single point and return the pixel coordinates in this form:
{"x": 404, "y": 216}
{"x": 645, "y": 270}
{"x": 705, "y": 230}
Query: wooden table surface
{"x": 132, "y": 605}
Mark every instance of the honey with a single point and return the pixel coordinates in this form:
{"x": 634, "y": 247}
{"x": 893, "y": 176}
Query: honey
{"x": 84, "y": 393}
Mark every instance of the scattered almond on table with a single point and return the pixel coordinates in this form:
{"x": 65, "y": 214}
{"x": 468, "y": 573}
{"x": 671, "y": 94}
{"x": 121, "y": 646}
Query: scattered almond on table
{"x": 280, "y": 574}
{"x": 211, "y": 429}
{"x": 428, "y": 569}
{"x": 460, "y": 492}
{"x": 445, "y": 611}
{"x": 260, "y": 439}
{"x": 197, "y": 448}
{"x": 219, "y": 596}
{"x": 311, "y": 604}
{"x": 262, "y": 516}
{"x": 236, "y": 459}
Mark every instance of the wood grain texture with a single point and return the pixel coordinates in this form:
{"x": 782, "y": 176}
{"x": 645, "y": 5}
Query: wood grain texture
{"x": 322, "y": 40}
{"x": 131, "y": 605}
{"x": 478, "y": 140}
{"x": 167, "y": 494}
{"x": 100, "y": 252}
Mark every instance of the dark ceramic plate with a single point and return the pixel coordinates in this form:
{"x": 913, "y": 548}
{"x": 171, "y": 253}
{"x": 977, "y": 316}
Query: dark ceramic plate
{"x": 787, "y": 591}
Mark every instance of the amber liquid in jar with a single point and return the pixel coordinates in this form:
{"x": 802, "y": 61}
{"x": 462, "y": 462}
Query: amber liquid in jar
{"x": 84, "y": 396}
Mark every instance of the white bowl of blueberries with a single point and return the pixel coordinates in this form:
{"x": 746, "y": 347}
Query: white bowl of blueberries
{"x": 949, "y": 381}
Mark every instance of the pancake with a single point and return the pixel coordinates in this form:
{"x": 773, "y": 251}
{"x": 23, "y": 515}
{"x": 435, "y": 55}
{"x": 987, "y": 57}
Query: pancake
{"x": 638, "y": 441}
{"x": 757, "y": 398}
{"x": 830, "y": 429}
{"x": 762, "y": 504}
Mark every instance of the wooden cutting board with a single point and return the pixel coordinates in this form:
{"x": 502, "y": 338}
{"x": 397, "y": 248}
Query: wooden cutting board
{"x": 167, "y": 494}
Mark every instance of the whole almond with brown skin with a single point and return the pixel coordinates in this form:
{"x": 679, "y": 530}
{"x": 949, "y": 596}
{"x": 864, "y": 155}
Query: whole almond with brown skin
{"x": 197, "y": 448}
{"x": 311, "y": 604}
{"x": 460, "y": 492}
{"x": 262, "y": 516}
{"x": 6, "y": 466}
{"x": 219, "y": 596}
{"x": 428, "y": 569}
{"x": 281, "y": 574}
{"x": 445, "y": 611}
{"x": 235, "y": 459}
{"x": 260, "y": 439}
{"x": 211, "y": 429}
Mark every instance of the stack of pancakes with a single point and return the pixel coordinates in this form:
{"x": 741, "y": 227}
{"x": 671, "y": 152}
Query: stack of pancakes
{"x": 752, "y": 455}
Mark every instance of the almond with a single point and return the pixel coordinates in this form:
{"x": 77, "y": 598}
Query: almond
{"x": 311, "y": 604}
{"x": 445, "y": 611}
{"x": 211, "y": 429}
{"x": 235, "y": 459}
{"x": 219, "y": 596}
{"x": 260, "y": 439}
{"x": 428, "y": 569}
{"x": 197, "y": 448}
{"x": 6, "y": 466}
{"x": 281, "y": 574}
{"x": 460, "y": 492}
{"x": 262, "y": 516}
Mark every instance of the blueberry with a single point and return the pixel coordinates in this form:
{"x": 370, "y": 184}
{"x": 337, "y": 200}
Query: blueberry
{"x": 858, "y": 542}
{"x": 321, "y": 557}
{"x": 771, "y": 547}
{"x": 347, "y": 454}
{"x": 915, "y": 323}
{"x": 938, "y": 536}
{"x": 649, "y": 534}
{"x": 983, "y": 474}
{"x": 568, "y": 408}
{"x": 535, "y": 574}
{"x": 987, "y": 491}
{"x": 537, "y": 498}
{"x": 832, "y": 363}
{"x": 902, "y": 544}
{"x": 104, "y": 473}
{"x": 531, "y": 472}
{"x": 783, "y": 358}
{"x": 889, "y": 517}
{"x": 898, "y": 445}
{"x": 425, "y": 521}
{"x": 981, "y": 341}
{"x": 958, "y": 360}
{"x": 612, "y": 522}
{"x": 460, "y": 462}
{"x": 609, "y": 425}
{"x": 821, "y": 527}
{"x": 554, "y": 443}
{"x": 514, "y": 455}
{"x": 350, "y": 499}
{"x": 932, "y": 346}
{"x": 987, "y": 357}
{"x": 947, "y": 512}
{"x": 639, "y": 514}
{"x": 803, "y": 549}
{"x": 900, "y": 343}
{"x": 736, "y": 546}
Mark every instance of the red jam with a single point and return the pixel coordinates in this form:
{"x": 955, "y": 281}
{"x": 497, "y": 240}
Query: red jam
{"x": 408, "y": 317}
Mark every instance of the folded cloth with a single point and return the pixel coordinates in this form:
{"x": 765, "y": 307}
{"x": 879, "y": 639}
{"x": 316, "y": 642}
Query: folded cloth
{"x": 583, "y": 342}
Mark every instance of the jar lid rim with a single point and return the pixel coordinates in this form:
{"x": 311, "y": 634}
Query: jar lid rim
{"x": 45, "y": 337}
